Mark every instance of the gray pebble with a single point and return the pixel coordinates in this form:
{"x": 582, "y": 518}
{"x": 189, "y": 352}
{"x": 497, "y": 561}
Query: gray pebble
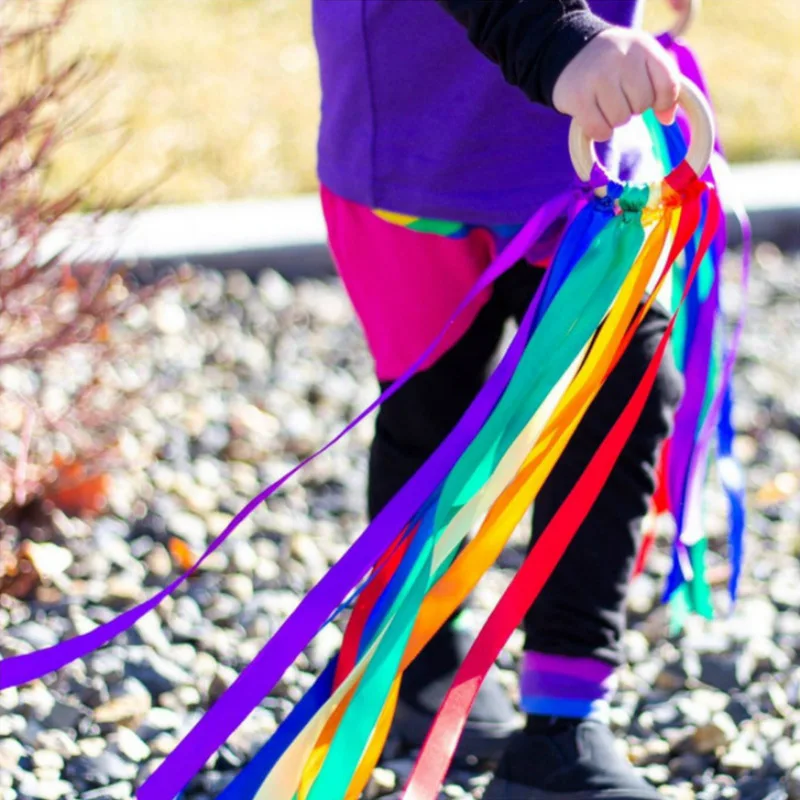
{"x": 108, "y": 665}
{"x": 92, "y": 746}
{"x": 223, "y": 679}
{"x": 155, "y": 672}
{"x": 11, "y": 725}
{"x": 101, "y": 770}
{"x": 65, "y": 715}
{"x": 121, "y": 790}
{"x": 382, "y": 782}
{"x": 30, "y": 786}
{"x": 47, "y": 759}
{"x": 148, "y": 631}
{"x": 35, "y": 634}
{"x": 36, "y": 701}
{"x": 163, "y": 744}
{"x": 127, "y": 744}
{"x": 793, "y": 784}
{"x": 11, "y": 751}
{"x": 158, "y": 720}
{"x": 58, "y": 741}
{"x": 224, "y": 609}
{"x": 9, "y": 698}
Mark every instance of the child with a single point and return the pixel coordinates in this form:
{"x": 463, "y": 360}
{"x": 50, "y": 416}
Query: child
{"x": 430, "y": 159}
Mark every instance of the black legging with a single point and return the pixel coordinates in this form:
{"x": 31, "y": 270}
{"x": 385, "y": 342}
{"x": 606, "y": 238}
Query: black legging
{"x": 581, "y": 610}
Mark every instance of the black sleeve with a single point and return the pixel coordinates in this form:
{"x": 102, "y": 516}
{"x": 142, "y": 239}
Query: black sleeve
{"x": 531, "y": 40}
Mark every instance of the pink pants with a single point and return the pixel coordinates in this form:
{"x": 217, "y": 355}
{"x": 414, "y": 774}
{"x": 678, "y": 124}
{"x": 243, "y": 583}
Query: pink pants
{"x": 405, "y": 285}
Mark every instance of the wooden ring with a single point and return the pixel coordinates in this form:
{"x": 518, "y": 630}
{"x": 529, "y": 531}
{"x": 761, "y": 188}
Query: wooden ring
{"x": 686, "y": 19}
{"x": 701, "y": 123}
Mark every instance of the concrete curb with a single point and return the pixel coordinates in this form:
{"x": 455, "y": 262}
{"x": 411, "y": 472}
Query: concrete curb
{"x": 289, "y": 234}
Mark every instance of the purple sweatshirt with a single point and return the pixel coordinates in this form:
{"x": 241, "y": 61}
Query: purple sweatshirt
{"x": 416, "y": 120}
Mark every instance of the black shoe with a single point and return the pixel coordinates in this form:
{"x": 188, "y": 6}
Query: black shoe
{"x": 561, "y": 759}
{"x": 426, "y": 681}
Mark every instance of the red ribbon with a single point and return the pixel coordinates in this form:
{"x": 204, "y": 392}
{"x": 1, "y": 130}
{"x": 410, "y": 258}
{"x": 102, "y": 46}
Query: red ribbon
{"x": 440, "y": 745}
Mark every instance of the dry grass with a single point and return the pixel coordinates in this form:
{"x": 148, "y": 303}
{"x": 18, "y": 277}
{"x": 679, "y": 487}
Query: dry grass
{"x": 222, "y": 94}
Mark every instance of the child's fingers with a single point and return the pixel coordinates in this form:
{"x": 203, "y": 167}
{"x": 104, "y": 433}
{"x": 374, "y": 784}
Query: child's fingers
{"x": 595, "y": 125}
{"x": 665, "y": 80}
{"x": 614, "y": 104}
{"x": 667, "y": 117}
{"x": 638, "y": 87}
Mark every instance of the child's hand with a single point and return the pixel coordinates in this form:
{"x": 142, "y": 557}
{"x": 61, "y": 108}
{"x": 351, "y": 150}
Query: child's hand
{"x": 619, "y": 74}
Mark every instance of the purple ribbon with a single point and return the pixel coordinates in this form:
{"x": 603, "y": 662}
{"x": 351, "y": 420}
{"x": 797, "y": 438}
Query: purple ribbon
{"x": 261, "y": 675}
{"x": 696, "y": 453}
{"x": 259, "y": 678}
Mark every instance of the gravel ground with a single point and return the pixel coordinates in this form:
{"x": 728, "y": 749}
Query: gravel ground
{"x": 252, "y": 377}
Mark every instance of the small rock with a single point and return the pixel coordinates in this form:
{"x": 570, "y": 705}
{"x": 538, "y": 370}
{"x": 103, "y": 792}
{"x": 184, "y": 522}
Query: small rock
{"x": 148, "y": 630}
{"x": 47, "y": 759}
{"x": 163, "y": 744}
{"x": 324, "y": 645}
{"x": 184, "y": 697}
{"x": 655, "y": 751}
{"x": 382, "y": 782}
{"x": 742, "y": 708}
{"x": 786, "y": 754}
{"x": 45, "y": 789}
{"x": 720, "y": 671}
{"x": 158, "y": 561}
{"x": 718, "y": 733}
{"x": 35, "y": 634}
{"x": 127, "y": 708}
{"x": 657, "y": 774}
{"x": 59, "y": 742}
{"x": 642, "y": 594}
{"x": 214, "y": 438}
{"x": 771, "y": 729}
{"x": 306, "y": 550}
{"x": 121, "y": 790}
{"x": 168, "y": 317}
{"x": 12, "y": 725}
{"x": 214, "y": 782}
{"x": 155, "y": 672}
{"x": 125, "y": 742}
{"x": 688, "y": 765}
{"x": 276, "y": 291}
{"x": 793, "y": 784}
{"x": 784, "y": 589}
{"x": 9, "y": 698}
{"x": 223, "y": 679}
{"x": 672, "y": 678}
{"x": 36, "y": 701}
{"x": 188, "y": 526}
{"x": 158, "y": 720}
{"x": 122, "y": 591}
{"x": 240, "y": 587}
{"x": 107, "y": 665}
{"x": 65, "y": 715}
{"x": 739, "y": 760}
{"x": 92, "y": 747}
{"x": 101, "y": 770}
{"x": 11, "y": 752}
{"x": 636, "y": 645}
{"x": 224, "y": 609}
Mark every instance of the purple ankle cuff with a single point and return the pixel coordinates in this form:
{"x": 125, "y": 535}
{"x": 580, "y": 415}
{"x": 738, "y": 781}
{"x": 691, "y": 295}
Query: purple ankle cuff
{"x": 564, "y": 686}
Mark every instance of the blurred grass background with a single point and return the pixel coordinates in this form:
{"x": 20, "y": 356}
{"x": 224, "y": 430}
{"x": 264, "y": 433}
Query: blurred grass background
{"x": 221, "y": 96}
